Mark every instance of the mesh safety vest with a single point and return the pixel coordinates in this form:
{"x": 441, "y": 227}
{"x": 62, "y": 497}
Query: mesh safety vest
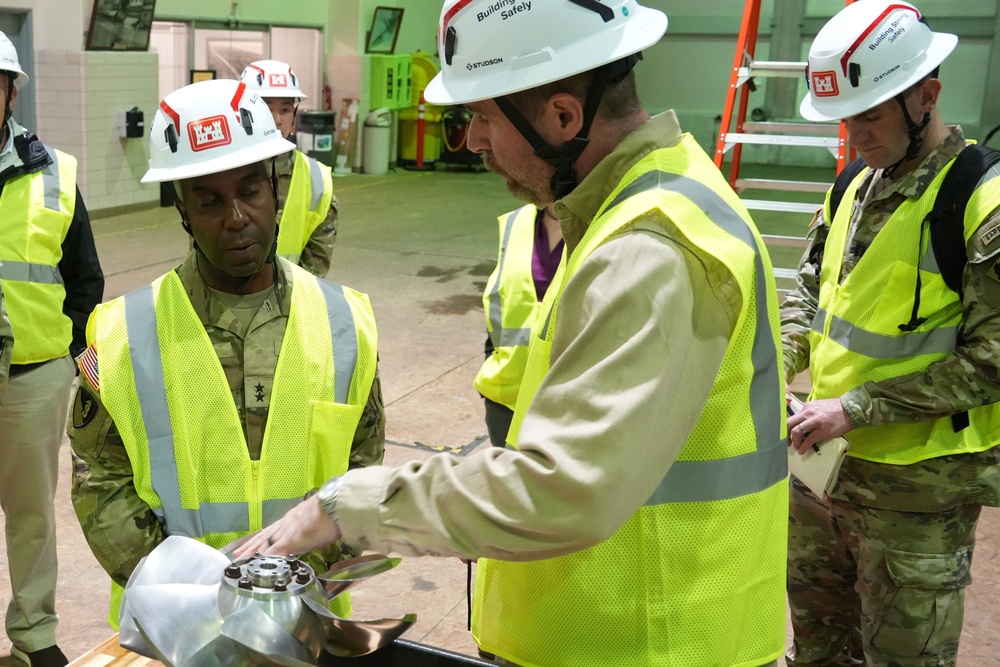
{"x": 306, "y": 206}
{"x": 511, "y": 305}
{"x": 856, "y": 338}
{"x": 696, "y": 577}
{"x": 35, "y": 214}
{"x": 162, "y": 383}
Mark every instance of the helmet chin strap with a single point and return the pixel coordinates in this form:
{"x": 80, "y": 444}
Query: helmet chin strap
{"x": 563, "y": 158}
{"x": 8, "y": 111}
{"x": 916, "y": 133}
{"x": 271, "y": 257}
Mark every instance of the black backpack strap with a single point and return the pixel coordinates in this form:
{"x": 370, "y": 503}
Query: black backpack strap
{"x": 947, "y": 218}
{"x": 844, "y": 180}
{"x": 947, "y": 224}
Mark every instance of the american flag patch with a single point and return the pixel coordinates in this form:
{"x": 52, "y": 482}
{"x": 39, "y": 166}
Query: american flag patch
{"x": 88, "y": 364}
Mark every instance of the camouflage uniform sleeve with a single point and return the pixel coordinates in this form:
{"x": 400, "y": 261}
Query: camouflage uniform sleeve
{"x": 369, "y": 438}
{"x": 317, "y": 254}
{"x": 967, "y": 378}
{"x": 119, "y": 526}
{"x": 6, "y": 347}
{"x": 800, "y": 305}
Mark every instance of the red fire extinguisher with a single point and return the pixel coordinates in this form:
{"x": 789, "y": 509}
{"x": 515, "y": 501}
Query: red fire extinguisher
{"x": 327, "y": 97}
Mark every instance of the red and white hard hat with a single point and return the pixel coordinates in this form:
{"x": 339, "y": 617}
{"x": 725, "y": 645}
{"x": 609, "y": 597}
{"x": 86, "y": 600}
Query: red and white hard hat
{"x": 491, "y": 48}
{"x": 868, "y": 53}
{"x": 272, "y": 78}
{"x": 10, "y": 63}
{"x": 209, "y": 127}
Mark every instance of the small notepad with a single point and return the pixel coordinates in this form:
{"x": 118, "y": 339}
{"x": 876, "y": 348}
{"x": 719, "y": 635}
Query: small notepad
{"x": 817, "y": 468}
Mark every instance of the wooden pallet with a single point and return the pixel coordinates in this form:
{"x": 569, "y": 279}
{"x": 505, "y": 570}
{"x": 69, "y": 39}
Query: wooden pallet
{"x": 109, "y": 653}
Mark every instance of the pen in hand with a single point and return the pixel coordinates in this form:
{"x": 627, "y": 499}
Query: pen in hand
{"x": 793, "y": 406}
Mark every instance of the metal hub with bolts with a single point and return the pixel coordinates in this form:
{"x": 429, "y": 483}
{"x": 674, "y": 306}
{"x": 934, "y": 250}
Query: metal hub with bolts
{"x": 268, "y": 574}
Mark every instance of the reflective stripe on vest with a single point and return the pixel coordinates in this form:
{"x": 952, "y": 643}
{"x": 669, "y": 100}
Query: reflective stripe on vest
{"x": 498, "y": 335}
{"x": 316, "y": 181}
{"x": 50, "y": 182}
{"x": 147, "y": 365}
{"x": 36, "y": 212}
{"x": 880, "y": 346}
{"x": 720, "y": 479}
{"x": 344, "y": 337}
{"x": 303, "y": 210}
{"x": 30, "y": 273}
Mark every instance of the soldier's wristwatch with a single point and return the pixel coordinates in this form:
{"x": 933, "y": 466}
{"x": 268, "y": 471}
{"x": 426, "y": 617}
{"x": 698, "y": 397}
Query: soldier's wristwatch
{"x": 328, "y": 498}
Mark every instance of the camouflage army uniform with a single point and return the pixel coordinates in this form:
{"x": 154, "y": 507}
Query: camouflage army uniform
{"x": 246, "y": 332}
{"x": 880, "y": 575}
{"x": 6, "y": 347}
{"x": 319, "y": 249}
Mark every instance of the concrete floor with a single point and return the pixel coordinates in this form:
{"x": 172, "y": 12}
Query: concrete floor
{"x": 422, "y": 246}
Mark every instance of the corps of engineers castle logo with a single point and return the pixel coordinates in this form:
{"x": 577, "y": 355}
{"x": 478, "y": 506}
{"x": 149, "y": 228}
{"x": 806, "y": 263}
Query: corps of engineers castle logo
{"x": 209, "y": 133}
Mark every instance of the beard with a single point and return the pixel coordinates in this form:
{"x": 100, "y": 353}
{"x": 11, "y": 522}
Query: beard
{"x": 538, "y": 193}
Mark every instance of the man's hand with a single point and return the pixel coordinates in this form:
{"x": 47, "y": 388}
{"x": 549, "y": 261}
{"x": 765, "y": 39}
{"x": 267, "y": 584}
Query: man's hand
{"x": 816, "y": 422}
{"x": 304, "y": 528}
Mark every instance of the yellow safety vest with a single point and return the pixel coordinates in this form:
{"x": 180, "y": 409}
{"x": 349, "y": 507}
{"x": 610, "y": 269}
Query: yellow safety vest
{"x": 35, "y": 214}
{"x": 306, "y": 206}
{"x": 511, "y": 304}
{"x": 855, "y": 335}
{"x": 162, "y": 383}
{"x": 696, "y": 577}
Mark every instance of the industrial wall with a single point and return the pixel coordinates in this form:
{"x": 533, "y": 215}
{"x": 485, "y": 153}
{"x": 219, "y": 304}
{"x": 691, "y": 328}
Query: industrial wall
{"x": 76, "y": 93}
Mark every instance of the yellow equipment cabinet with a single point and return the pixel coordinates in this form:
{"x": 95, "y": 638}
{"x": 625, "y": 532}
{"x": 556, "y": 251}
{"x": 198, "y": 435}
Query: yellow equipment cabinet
{"x": 424, "y": 68}
{"x": 391, "y": 81}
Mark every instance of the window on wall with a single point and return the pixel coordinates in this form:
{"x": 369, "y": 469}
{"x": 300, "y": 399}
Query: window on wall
{"x": 302, "y": 48}
{"x": 170, "y": 41}
{"x": 228, "y": 52}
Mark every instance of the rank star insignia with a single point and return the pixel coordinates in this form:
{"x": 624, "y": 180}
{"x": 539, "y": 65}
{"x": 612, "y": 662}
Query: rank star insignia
{"x": 260, "y": 393}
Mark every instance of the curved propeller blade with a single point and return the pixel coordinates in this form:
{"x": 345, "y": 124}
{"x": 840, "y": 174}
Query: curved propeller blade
{"x": 253, "y": 629}
{"x": 220, "y": 652}
{"x": 176, "y": 560}
{"x": 231, "y": 548}
{"x": 180, "y": 560}
{"x": 349, "y": 639}
{"x": 346, "y": 573}
{"x": 176, "y": 620}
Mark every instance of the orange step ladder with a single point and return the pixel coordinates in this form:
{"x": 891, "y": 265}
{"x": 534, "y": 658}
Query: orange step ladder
{"x": 829, "y": 136}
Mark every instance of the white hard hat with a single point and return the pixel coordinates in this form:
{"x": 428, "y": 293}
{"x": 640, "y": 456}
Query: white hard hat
{"x": 209, "y": 127}
{"x": 10, "y": 63}
{"x": 272, "y": 78}
{"x": 491, "y": 48}
{"x": 868, "y": 53}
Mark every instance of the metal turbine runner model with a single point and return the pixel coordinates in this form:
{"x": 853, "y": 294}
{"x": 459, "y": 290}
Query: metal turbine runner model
{"x": 188, "y": 605}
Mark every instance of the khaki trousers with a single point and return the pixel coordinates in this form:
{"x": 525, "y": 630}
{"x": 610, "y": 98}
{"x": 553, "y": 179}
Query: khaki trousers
{"x": 32, "y": 423}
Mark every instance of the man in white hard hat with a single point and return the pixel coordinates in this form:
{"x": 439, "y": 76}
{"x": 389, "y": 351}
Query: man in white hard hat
{"x": 904, "y": 366}
{"x": 51, "y": 280}
{"x": 307, "y": 207}
{"x": 230, "y": 388}
{"x": 639, "y": 518}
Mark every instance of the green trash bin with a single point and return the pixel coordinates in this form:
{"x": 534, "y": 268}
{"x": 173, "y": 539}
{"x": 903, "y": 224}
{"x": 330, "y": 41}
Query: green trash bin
{"x": 314, "y": 132}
